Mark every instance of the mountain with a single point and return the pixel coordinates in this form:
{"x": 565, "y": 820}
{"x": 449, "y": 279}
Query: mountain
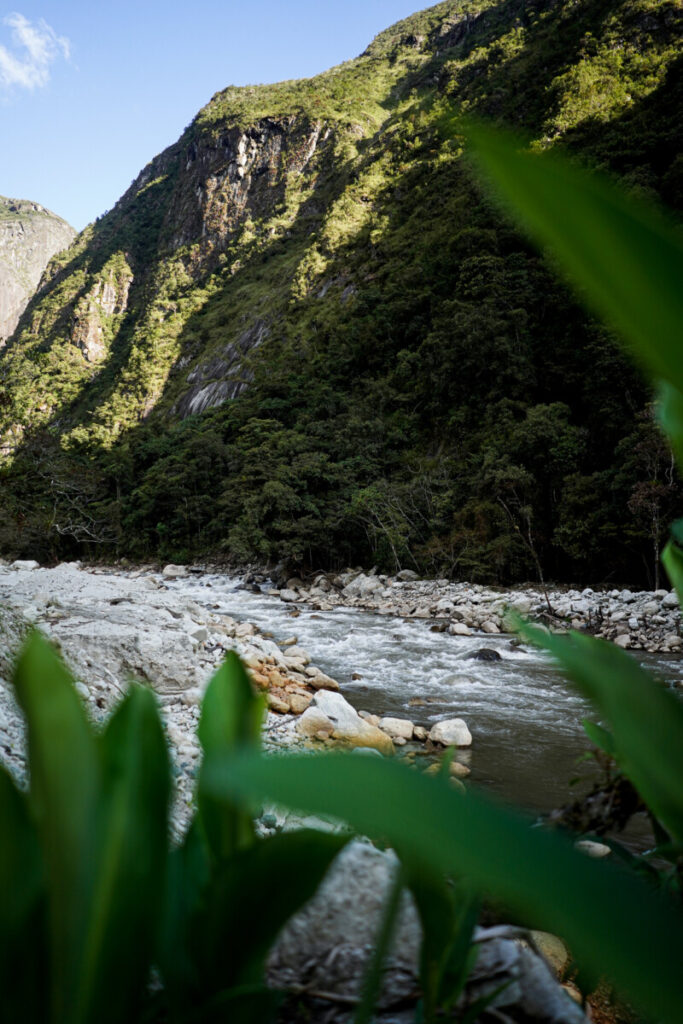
{"x": 306, "y": 333}
{"x": 29, "y": 237}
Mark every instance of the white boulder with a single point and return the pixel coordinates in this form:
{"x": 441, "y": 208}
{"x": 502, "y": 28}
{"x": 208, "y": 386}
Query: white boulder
{"x": 452, "y": 732}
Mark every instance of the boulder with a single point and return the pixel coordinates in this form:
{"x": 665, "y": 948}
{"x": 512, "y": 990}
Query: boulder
{"x": 624, "y": 640}
{"x": 670, "y": 601}
{"x": 174, "y": 572}
{"x": 289, "y": 596}
{"x": 406, "y": 576}
{"x": 489, "y": 627}
{"x": 313, "y": 723}
{"x": 348, "y": 725}
{"x": 485, "y": 654}
{"x": 25, "y": 565}
{"x": 459, "y": 629}
{"x": 452, "y": 732}
{"x": 397, "y": 728}
{"x": 299, "y": 703}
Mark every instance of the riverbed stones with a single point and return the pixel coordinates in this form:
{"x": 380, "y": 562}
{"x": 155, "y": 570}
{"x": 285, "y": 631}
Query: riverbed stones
{"x": 452, "y": 732}
{"x": 397, "y": 728}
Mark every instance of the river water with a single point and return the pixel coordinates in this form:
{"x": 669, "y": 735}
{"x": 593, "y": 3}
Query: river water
{"x": 524, "y": 718}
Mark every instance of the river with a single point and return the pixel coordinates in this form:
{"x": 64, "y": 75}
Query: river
{"x": 524, "y": 717}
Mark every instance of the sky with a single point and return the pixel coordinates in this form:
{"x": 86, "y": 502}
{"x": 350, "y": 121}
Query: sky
{"x": 91, "y": 91}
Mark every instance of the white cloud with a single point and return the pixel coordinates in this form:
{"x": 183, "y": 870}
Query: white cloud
{"x": 34, "y": 48}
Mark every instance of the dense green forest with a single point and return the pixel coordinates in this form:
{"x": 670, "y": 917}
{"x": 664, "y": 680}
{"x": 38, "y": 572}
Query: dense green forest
{"x": 307, "y": 333}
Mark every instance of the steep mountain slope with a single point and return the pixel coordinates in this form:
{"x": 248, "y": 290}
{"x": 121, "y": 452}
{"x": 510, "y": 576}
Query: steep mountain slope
{"x": 304, "y": 331}
{"x": 29, "y": 237}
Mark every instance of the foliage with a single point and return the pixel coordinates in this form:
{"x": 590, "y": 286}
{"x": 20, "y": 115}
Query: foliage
{"x": 413, "y": 349}
{"x": 94, "y": 896}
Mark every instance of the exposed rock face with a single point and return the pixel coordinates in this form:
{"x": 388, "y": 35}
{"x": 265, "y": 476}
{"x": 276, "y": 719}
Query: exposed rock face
{"x": 29, "y": 237}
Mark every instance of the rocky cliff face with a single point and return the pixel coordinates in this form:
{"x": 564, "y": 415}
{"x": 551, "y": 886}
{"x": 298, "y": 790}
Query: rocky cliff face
{"x": 306, "y": 309}
{"x": 29, "y": 237}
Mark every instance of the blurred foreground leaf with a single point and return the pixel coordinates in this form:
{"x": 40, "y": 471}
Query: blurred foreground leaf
{"x": 645, "y": 718}
{"x": 612, "y": 921}
{"x": 622, "y": 255}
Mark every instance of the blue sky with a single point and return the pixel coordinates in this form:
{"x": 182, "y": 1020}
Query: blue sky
{"x": 90, "y": 91}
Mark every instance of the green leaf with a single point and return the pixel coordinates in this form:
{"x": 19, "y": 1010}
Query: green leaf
{"x": 231, "y": 718}
{"x": 448, "y": 914}
{"x": 620, "y": 253}
{"x": 23, "y": 923}
{"x": 672, "y": 557}
{"x": 372, "y": 983}
{"x": 599, "y": 737}
{"x": 646, "y": 719}
{"x": 132, "y": 830}
{"x": 65, "y": 783}
{"x": 670, "y": 413}
{"x": 609, "y": 919}
{"x": 250, "y": 898}
{"x": 187, "y": 879}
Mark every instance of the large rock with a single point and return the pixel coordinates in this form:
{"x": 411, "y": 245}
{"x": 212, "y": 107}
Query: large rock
{"x": 452, "y": 732}
{"x": 348, "y": 725}
{"x": 363, "y": 586}
{"x": 397, "y": 728}
{"x": 329, "y": 942}
{"x": 327, "y": 945}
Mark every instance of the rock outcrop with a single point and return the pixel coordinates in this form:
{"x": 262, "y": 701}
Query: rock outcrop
{"x": 29, "y": 237}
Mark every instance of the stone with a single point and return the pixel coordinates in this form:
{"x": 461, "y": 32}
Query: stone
{"x": 459, "y": 770}
{"x": 201, "y": 634}
{"x": 397, "y": 728}
{"x": 485, "y": 654}
{"x": 452, "y": 732}
{"x": 489, "y": 627}
{"x": 348, "y": 725}
{"x": 329, "y": 942}
{"x": 300, "y": 653}
{"x": 25, "y": 565}
{"x": 313, "y": 722}
{"x": 276, "y": 703}
{"x": 289, "y": 596}
{"x": 298, "y": 703}
{"x": 368, "y": 716}
{"x": 553, "y": 951}
{"x": 670, "y": 601}
{"x": 320, "y": 681}
{"x": 406, "y": 576}
{"x": 627, "y": 596}
{"x": 624, "y": 640}
{"x": 593, "y": 849}
{"x": 459, "y": 629}
{"x": 420, "y": 733}
{"x": 174, "y": 572}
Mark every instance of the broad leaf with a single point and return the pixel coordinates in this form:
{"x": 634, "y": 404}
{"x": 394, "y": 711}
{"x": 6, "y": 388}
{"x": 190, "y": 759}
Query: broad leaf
{"x": 621, "y": 254}
{"x": 672, "y": 557}
{"x": 23, "y": 922}
{"x": 599, "y": 737}
{"x": 65, "y": 785}
{"x": 231, "y": 718}
{"x": 132, "y": 826}
{"x": 250, "y": 898}
{"x": 645, "y": 718}
{"x": 611, "y": 921}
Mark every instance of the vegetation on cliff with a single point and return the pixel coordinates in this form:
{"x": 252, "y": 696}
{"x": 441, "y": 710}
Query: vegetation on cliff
{"x": 305, "y": 332}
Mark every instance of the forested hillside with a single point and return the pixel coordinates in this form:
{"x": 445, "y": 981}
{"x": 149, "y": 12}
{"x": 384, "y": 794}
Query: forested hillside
{"x": 306, "y": 333}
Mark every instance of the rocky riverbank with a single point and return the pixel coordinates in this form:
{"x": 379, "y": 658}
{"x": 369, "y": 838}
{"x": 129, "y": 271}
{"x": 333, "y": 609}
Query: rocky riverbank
{"x": 640, "y": 621}
{"x": 113, "y": 625}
